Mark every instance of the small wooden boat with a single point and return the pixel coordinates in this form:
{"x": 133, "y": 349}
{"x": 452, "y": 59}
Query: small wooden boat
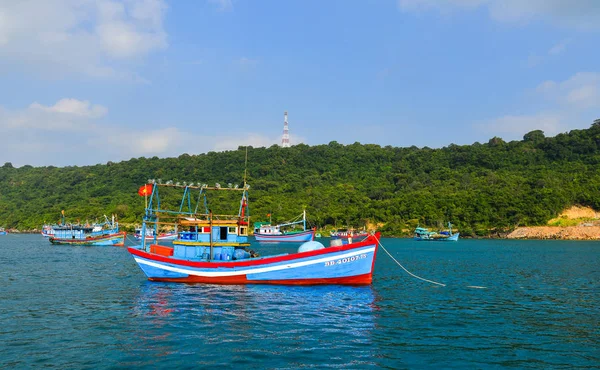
{"x": 423, "y": 234}
{"x": 265, "y": 232}
{"x": 217, "y": 252}
{"x": 105, "y": 234}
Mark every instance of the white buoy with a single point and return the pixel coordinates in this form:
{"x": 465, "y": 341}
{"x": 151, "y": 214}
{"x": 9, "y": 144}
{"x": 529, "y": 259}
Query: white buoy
{"x": 310, "y": 246}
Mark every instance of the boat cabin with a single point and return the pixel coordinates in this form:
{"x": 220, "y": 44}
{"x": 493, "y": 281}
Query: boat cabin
{"x": 72, "y": 232}
{"x": 268, "y": 229}
{"x": 201, "y": 232}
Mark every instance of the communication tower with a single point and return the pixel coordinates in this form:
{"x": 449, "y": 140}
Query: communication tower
{"x": 285, "y": 139}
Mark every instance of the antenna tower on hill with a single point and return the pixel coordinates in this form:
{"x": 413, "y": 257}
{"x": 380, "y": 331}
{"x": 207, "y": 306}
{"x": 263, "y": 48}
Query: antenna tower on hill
{"x": 285, "y": 139}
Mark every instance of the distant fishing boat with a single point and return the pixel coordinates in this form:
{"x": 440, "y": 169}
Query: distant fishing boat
{"x": 265, "y": 232}
{"x": 150, "y": 235}
{"x": 423, "y": 234}
{"x": 104, "y": 234}
{"x": 3, "y": 231}
{"x": 217, "y": 250}
{"x": 348, "y": 233}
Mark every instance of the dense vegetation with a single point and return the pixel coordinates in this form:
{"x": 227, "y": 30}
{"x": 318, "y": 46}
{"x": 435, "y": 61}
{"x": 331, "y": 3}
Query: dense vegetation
{"x": 482, "y": 189}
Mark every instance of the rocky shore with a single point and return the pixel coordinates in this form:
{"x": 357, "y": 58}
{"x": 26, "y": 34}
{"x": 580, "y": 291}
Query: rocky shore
{"x": 556, "y": 232}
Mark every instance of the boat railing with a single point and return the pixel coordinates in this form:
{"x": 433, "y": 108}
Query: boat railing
{"x": 193, "y": 211}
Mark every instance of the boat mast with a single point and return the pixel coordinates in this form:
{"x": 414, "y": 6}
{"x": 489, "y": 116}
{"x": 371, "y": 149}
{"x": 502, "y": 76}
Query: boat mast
{"x": 304, "y": 219}
{"x": 210, "y": 234}
{"x": 245, "y": 167}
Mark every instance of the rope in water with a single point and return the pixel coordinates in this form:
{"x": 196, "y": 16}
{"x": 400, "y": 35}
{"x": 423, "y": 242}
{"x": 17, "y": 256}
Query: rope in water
{"x": 404, "y": 268}
{"x": 134, "y": 241}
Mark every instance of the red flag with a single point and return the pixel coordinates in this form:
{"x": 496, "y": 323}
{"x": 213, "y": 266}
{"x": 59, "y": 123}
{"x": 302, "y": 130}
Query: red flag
{"x": 145, "y": 190}
{"x": 268, "y": 215}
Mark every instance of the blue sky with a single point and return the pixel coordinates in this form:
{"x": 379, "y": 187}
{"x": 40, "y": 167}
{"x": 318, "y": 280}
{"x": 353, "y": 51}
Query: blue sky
{"x": 88, "y": 81}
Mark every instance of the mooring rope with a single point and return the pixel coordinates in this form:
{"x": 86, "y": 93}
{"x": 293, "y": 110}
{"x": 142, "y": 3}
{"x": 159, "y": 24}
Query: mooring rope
{"x": 134, "y": 241}
{"x": 404, "y": 268}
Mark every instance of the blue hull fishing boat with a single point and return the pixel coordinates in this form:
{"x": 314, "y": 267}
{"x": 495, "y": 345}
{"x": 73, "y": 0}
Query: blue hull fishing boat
{"x": 214, "y": 250}
{"x": 105, "y": 234}
{"x": 275, "y": 233}
{"x": 3, "y": 231}
{"x": 423, "y": 234}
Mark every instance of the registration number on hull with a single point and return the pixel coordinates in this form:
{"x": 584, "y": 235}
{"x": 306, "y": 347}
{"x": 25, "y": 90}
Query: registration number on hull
{"x": 346, "y": 260}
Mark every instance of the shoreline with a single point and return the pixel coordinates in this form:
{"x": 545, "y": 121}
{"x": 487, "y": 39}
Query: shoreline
{"x": 580, "y": 232}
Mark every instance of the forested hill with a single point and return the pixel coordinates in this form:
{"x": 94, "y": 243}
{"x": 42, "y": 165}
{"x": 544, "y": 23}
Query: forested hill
{"x": 480, "y": 188}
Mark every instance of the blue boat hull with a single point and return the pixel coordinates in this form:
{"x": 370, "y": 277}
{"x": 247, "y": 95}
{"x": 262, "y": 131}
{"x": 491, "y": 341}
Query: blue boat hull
{"x": 285, "y": 238}
{"x": 451, "y": 238}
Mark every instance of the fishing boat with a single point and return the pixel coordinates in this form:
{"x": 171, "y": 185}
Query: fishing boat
{"x": 103, "y": 234}
{"x": 265, "y": 232}
{"x": 3, "y": 231}
{"x": 48, "y": 230}
{"x": 348, "y": 233}
{"x": 424, "y": 234}
{"x": 217, "y": 251}
{"x": 150, "y": 235}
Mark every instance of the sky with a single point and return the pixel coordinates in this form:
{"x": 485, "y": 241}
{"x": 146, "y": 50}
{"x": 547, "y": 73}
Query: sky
{"x": 90, "y": 81}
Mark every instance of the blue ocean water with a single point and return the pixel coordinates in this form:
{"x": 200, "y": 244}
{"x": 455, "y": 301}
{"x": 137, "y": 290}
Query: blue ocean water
{"x": 507, "y": 304}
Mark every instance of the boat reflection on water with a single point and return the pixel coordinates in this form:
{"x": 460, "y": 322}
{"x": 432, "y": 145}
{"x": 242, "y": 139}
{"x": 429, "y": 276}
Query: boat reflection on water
{"x": 287, "y": 320}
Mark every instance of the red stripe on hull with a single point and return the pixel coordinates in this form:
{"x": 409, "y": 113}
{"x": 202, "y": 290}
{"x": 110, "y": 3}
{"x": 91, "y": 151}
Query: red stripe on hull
{"x": 364, "y": 279}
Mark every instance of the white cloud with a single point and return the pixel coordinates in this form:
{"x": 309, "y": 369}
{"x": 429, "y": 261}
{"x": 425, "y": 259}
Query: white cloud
{"x": 83, "y": 36}
{"x": 440, "y": 5}
{"x": 564, "y": 102}
{"x": 223, "y": 5}
{"x": 255, "y": 140}
{"x": 247, "y": 62}
{"x": 559, "y": 48}
{"x": 69, "y": 133}
{"x": 73, "y": 106}
{"x": 577, "y": 14}
{"x": 534, "y": 59}
{"x": 513, "y": 127}
{"x": 579, "y": 92}
{"x": 71, "y": 114}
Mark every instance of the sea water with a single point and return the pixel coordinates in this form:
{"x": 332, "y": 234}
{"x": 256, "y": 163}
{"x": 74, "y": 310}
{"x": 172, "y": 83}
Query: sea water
{"x": 506, "y": 304}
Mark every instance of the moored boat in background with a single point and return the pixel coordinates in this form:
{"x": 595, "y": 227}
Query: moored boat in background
{"x": 424, "y": 234}
{"x": 265, "y": 232}
{"x": 3, "y": 231}
{"x": 348, "y": 233}
{"x": 104, "y": 234}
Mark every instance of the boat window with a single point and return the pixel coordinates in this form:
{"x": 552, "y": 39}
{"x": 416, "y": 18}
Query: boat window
{"x": 233, "y": 230}
{"x": 223, "y": 233}
{"x": 243, "y": 230}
